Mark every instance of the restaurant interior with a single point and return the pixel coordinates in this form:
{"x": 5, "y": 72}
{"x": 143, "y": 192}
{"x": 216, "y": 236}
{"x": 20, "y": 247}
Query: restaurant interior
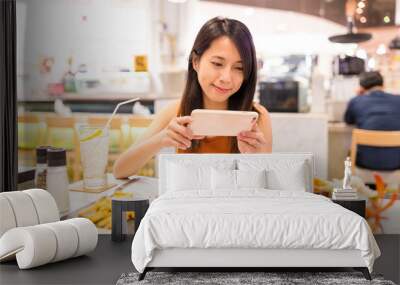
{"x": 76, "y": 62}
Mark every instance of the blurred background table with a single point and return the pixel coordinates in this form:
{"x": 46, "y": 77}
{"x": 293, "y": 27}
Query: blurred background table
{"x": 86, "y": 204}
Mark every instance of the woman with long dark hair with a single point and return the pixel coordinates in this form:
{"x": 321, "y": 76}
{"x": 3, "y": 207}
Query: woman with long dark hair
{"x": 222, "y": 75}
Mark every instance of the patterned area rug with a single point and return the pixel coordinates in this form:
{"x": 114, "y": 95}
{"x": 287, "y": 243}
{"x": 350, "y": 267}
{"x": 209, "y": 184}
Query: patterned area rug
{"x": 269, "y": 278}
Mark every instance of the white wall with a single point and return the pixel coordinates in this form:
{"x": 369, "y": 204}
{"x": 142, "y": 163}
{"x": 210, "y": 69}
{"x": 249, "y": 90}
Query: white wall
{"x": 397, "y": 14}
{"x": 302, "y": 133}
{"x": 21, "y": 31}
{"x": 103, "y": 34}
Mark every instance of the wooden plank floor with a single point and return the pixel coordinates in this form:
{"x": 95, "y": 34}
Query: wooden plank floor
{"x": 102, "y": 266}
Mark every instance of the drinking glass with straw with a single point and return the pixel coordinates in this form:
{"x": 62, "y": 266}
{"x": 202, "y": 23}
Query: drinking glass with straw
{"x": 94, "y": 144}
{"x": 99, "y": 132}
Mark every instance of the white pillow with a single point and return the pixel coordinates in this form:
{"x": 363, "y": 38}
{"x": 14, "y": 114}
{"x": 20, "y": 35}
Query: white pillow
{"x": 228, "y": 179}
{"x": 293, "y": 178}
{"x": 223, "y": 179}
{"x": 284, "y": 174}
{"x": 191, "y": 174}
{"x": 251, "y": 178}
{"x": 185, "y": 177}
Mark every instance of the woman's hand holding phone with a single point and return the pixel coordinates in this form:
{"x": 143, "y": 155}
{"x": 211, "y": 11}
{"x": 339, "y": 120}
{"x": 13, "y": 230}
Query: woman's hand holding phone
{"x": 178, "y": 134}
{"x": 252, "y": 141}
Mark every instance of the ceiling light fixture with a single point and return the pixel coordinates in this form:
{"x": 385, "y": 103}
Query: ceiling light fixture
{"x": 351, "y": 36}
{"x": 386, "y": 19}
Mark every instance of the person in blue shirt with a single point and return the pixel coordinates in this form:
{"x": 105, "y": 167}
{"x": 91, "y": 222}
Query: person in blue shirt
{"x": 374, "y": 109}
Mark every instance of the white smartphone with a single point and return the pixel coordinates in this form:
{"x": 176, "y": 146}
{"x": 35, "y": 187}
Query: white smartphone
{"x": 221, "y": 122}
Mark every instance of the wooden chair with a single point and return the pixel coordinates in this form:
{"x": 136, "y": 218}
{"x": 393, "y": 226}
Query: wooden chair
{"x": 65, "y": 123}
{"x": 116, "y": 126}
{"x": 137, "y": 124}
{"x": 28, "y": 118}
{"x": 373, "y": 138}
{"x": 140, "y": 121}
{"x": 27, "y": 150}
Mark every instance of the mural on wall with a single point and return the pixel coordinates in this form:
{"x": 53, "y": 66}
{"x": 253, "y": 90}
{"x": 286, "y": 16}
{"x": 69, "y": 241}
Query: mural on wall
{"x": 383, "y": 204}
{"x": 380, "y": 204}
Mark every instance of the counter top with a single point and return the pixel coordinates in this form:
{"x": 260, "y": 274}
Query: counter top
{"x": 340, "y": 127}
{"x": 25, "y": 173}
{"x": 300, "y": 115}
{"x": 145, "y": 187}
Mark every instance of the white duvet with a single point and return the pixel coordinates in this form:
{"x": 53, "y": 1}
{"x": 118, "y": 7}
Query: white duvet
{"x": 252, "y": 218}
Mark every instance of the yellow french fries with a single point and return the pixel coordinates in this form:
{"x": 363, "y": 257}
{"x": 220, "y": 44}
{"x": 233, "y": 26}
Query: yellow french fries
{"x": 97, "y": 216}
{"x": 103, "y": 223}
{"x": 100, "y": 212}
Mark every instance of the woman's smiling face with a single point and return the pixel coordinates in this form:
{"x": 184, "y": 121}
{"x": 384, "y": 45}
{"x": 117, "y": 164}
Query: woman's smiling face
{"x": 220, "y": 72}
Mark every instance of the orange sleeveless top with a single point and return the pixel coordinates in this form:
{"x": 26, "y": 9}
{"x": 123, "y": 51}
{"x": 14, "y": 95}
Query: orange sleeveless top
{"x": 211, "y": 145}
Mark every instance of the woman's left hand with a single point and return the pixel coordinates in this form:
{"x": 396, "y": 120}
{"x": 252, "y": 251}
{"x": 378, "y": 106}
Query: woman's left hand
{"x": 252, "y": 141}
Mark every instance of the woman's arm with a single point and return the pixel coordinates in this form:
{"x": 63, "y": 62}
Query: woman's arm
{"x": 146, "y": 145}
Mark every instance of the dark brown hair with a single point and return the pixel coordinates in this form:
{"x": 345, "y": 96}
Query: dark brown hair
{"x": 240, "y": 35}
{"x": 371, "y": 79}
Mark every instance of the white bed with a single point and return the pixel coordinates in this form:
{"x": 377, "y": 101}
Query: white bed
{"x": 214, "y": 211}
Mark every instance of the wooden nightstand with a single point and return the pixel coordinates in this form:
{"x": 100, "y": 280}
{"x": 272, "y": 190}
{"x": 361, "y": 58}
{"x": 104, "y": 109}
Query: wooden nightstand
{"x": 357, "y": 206}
